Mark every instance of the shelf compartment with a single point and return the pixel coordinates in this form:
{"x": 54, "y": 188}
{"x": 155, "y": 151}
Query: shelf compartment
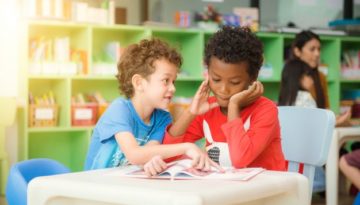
{"x": 108, "y": 88}
{"x": 189, "y": 44}
{"x": 60, "y": 89}
{"x": 69, "y": 147}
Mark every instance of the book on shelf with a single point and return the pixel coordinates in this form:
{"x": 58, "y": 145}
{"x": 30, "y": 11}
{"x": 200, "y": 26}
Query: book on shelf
{"x": 182, "y": 169}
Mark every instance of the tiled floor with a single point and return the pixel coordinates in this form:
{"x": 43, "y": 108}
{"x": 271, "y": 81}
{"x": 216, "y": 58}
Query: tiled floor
{"x": 317, "y": 200}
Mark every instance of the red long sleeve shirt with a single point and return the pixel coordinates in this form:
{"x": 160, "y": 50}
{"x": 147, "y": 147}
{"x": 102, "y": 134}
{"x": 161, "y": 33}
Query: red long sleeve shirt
{"x": 257, "y": 146}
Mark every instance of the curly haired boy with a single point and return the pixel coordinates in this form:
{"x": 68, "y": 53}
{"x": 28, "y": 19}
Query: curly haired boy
{"x": 240, "y": 126}
{"x": 131, "y": 129}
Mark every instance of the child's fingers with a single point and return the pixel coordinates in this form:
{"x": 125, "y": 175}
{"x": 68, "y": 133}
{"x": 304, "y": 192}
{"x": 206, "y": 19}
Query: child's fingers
{"x": 201, "y": 163}
{"x": 195, "y": 161}
{"x": 157, "y": 165}
{"x": 201, "y": 89}
{"x": 206, "y": 164}
{"x": 217, "y": 166}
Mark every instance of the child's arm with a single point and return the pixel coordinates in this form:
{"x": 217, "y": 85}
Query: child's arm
{"x": 199, "y": 105}
{"x": 140, "y": 155}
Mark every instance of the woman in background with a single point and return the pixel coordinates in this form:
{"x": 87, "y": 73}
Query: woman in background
{"x": 307, "y": 47}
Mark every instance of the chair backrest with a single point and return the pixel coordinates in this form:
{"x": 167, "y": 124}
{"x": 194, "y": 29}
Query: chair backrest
{"x": 23, "y": 172}
{"x": 305, "y": 136}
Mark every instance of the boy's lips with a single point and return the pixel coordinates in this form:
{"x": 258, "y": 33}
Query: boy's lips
{"x": 222, "y": 98}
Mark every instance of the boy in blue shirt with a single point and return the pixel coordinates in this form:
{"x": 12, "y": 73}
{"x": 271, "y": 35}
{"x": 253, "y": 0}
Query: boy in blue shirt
{"x": 131, "y": 130}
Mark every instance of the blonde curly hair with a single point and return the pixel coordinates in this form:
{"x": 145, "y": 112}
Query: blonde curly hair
{"x": 139, "y": 59}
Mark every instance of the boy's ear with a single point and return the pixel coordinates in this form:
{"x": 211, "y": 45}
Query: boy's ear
{"x": 137, "y": 82}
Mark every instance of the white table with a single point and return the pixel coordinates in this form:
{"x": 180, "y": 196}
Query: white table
{"x": 340, "y": 136}
{"x": 103, "y": 187}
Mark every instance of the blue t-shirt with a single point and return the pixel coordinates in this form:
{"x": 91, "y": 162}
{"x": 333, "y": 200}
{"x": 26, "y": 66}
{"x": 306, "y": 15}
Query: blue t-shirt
{"x": 121, "y": 116}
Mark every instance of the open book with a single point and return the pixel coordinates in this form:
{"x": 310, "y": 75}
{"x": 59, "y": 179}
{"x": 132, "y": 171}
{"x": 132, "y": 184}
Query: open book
{"x": 182, "y": 170}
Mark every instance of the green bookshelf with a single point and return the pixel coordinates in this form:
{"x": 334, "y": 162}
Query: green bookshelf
{"x": 68, "y": 144}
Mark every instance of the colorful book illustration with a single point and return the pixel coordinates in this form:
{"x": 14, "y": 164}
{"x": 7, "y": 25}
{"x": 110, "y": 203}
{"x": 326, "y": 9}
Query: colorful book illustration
{"x": 182, "y": 169}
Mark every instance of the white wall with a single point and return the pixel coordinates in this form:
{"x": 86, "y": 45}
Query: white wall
{"x": 9, "y": 66}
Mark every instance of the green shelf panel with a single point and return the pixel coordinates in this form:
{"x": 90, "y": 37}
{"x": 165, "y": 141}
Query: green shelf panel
{"x": 271, "y": 90}
{"x": 330, "y": 49}
{"x": 190, "y": 44}
{"x": 108, "y": 88}
{"x": 124, "y": 35}
{"x": 60, "y": 89}
{"x": 69, "y": 148}
{"x": 94, "y": 77}
{"x": 267, "y": 35}
{"x": 334, "y": 95}
{"x": 207, "y": 36}
{"x": 350, "y": 39}
{"x": 269, "y": 80}
{"x": 187, "y": 78}
{"x": 47, "y": 77}
{"x": 57, "y": 129}
{"x": 273, "y": 47}
{"x": 350, "y": 81}
{"x": 186, "y": 88}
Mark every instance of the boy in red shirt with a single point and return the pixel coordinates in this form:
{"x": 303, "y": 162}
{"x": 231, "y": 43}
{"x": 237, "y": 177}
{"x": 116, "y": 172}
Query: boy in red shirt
{"x": 240, "y": 126}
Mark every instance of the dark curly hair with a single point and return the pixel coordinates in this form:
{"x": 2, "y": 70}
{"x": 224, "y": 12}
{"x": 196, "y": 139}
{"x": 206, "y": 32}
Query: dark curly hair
{"x": 234, "y": 45}
{"x": 139, "y": 59}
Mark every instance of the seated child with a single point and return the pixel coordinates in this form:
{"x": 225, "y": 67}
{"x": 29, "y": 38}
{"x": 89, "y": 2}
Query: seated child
{"x": 350, "y": 165}
{"x": 131, "y": 130}
{"x": 240, "y": 126}
{"x": 296, "y": 83}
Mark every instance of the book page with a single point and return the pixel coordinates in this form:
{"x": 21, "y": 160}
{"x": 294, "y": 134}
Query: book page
{"x": 243, "y": 174}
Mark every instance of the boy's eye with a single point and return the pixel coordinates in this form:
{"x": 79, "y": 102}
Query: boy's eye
{"x": 166, "y": 81}
{"x": 215, "y": 80}
{"x": 235, "y": 83}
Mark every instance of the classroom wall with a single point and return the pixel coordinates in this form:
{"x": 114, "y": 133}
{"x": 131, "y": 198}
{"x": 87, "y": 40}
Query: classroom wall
{"x": 304, "y": 13}
{"x": 10, "y": 77}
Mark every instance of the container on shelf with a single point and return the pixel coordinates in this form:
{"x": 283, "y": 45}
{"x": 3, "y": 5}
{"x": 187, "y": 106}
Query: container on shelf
{"x": 84, "y": 114}
{"x": 43, "y": 115}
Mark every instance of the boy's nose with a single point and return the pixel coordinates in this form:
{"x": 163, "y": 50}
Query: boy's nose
{"x": 172, "y": 88}
{"x": 224, "y": 88}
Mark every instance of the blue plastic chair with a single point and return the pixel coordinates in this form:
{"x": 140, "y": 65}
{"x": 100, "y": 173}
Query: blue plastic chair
{"x": 306, "y": 135}
{"x": 23, "y": 172}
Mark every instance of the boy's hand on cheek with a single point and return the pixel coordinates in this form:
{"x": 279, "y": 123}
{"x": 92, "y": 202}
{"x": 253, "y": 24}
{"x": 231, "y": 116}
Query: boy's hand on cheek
{"x": 248, "y": 96}
{"x": 200, "y": 103}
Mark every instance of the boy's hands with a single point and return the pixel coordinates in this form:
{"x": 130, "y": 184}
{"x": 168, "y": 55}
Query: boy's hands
{"x": 248, "y": 96}
{"x": 200, "y": 104}
{"x": 200, "y": 159}
{"x": 154, "y": 166}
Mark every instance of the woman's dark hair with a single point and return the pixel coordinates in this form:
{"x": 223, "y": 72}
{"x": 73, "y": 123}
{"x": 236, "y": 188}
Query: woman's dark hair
{"x": 291, "y": 76}
{"x": 299, "y": 42}
{"x": 301, "y": 39}
{"x": 235, "y": 45}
